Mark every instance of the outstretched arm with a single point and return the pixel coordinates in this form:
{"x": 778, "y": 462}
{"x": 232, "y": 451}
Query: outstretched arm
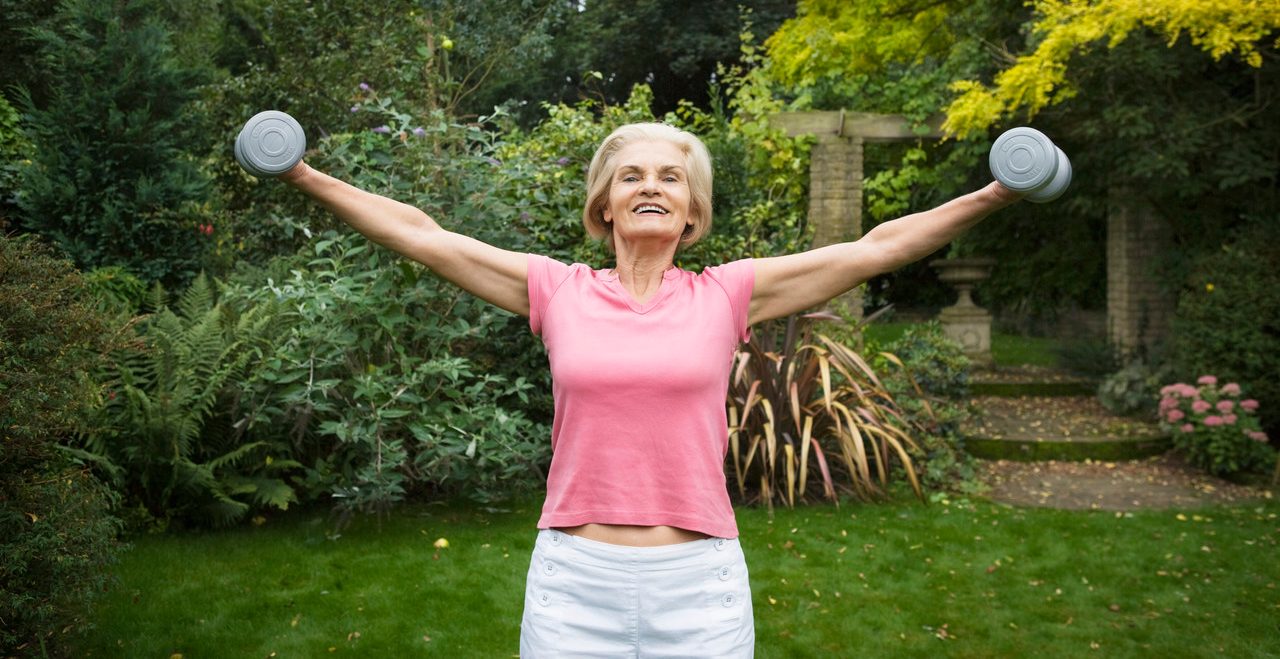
{"x": 796, "y": 282}
{"x": 495, "y": 275}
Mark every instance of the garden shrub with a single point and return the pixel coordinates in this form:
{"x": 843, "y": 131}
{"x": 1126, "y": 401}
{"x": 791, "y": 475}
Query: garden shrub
{"x": 1215, "y": 426}
{"x": 57, "y": 529}
{"x": 932, "y": 387}
{"x": 387, "y": 382}
{"x": 1228, "y": 317}
{"x": 1134, "y": 389}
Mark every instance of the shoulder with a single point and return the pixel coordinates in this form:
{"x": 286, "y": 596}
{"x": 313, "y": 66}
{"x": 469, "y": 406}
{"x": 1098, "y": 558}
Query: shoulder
{"x": 734, "y": 273}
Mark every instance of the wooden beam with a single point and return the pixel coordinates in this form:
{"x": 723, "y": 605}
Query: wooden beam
{"x": 871, "y": 127}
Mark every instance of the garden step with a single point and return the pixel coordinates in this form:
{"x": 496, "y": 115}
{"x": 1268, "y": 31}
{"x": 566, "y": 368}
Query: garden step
{"x": 1057, "y": 428}
{"x": 1029, "y": 381}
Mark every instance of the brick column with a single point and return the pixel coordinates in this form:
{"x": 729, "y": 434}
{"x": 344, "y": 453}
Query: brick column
{"x": 1138, "y": 307}
{"x": 835, "y": 199}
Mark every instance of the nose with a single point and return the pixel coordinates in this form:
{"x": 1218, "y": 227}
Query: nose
{"x": 650, "y": 186}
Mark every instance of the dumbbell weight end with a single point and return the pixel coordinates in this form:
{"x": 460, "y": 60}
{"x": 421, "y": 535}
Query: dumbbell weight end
{"x": 1026, "y": 161}
{"x": 270, "y": 144}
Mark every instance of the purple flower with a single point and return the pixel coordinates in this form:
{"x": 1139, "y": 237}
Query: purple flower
{"x": 419, "y": 131}
{"x": 382, "y": 129}
{"x": 563, "y": 161}
{"x": 493, "y": 161}
{"x": 364, "y": 87}
{"x": 524, "y": 216}
{"x": 355, "y": 108}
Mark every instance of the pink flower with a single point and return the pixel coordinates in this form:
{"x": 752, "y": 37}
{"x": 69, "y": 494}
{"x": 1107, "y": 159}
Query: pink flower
{"x": 1212, "y": 421}
{"x": 1207, "y": 379}
{"x": 1167, "y": 404}
{"x": 1225, "y": 406}
{"x": 1249, "y": 404}
{"x": 1170, "y": 389}
{"x": 1175, "y": 416}
{"x": 1189, "y": 391}
{"x": 1187, "y": 428}
{"x": 1231, "y": 389}
{"x": 1200, "y": 406}
{"x": 1229, "y": 419}
{"x": 1257, "y": 436}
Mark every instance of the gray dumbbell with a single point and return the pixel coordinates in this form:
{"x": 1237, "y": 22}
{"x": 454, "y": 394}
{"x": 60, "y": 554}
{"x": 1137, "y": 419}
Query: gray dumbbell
{"x": 270, "y": 144}
{"x": 1026, "y": 161}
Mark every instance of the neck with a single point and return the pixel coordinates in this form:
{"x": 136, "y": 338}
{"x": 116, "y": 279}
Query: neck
{"x": 641, "y": 275}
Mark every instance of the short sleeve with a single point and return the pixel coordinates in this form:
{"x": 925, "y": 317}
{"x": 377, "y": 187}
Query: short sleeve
{"x": 738, "y": 280}
{"x": 545, "y": 277}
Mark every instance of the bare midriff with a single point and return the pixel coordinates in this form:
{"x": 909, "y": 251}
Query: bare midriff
{"x": 634, "y": 536}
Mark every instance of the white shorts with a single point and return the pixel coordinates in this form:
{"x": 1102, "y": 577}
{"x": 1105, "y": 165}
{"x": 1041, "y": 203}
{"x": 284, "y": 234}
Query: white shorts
{"x": 585, "y": 598}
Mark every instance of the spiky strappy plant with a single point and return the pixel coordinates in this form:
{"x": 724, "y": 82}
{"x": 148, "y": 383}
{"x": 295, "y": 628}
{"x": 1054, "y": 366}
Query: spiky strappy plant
{"x": 797, "y": 397}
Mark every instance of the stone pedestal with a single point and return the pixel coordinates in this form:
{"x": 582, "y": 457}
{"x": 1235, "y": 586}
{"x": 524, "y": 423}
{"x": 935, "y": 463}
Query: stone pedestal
{"x": 965, "y": 322}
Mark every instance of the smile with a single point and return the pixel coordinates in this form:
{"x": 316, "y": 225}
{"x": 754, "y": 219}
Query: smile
{"x": 650, "y": 209}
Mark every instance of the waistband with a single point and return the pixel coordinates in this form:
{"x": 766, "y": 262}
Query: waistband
{"x": 649, "y": 558}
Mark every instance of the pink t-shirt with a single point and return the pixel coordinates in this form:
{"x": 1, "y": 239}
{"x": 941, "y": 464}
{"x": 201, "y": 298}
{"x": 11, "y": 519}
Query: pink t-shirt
{"x": 640, "y": 432}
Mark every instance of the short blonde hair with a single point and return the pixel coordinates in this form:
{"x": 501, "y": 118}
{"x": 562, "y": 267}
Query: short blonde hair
{"x": 600, "y": 178}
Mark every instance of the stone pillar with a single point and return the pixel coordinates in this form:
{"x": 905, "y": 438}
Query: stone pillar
{"x": 1138, "y": 307}
{"x": 835, "y": 199}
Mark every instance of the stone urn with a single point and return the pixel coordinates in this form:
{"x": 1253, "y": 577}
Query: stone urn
{"x": 965, "y": 322}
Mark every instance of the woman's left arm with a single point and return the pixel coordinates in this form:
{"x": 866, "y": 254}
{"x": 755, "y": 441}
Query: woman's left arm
{"x": 787, "y": 284}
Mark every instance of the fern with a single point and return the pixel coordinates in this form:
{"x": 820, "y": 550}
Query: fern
{"x": 163, "y": 396}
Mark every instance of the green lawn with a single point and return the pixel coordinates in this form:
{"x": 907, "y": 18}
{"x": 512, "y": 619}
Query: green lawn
{"x": 902, "y": 579}
{"x": 1006, "y": 349}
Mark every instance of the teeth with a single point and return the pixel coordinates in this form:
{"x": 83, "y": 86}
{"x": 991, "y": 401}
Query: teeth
{"x": 647, "y": 207}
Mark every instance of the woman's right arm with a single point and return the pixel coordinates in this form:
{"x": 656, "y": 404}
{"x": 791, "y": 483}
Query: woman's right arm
{"x": 495, "y": 275}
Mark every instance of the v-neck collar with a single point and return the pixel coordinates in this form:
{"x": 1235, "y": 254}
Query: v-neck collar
{"x": 610, "y": 277}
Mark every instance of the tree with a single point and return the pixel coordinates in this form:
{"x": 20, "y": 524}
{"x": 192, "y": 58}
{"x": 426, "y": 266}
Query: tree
{"x": 1065, "y": 29}
{"x": 112, "y": 181}
{"x": 672, "y": 46}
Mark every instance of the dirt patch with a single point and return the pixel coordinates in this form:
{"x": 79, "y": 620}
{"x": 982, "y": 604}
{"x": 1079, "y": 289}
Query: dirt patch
{"x": 1164, "y": 481}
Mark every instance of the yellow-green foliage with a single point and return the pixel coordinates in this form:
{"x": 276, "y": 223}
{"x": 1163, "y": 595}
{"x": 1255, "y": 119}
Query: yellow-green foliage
{"x": 834, "y": 37}
{"x": 1067, "y": 27}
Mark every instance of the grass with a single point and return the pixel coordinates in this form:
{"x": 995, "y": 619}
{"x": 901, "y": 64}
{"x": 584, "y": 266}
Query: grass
{"x": 1006, "y": 349}
{"x": 954, "y": 579}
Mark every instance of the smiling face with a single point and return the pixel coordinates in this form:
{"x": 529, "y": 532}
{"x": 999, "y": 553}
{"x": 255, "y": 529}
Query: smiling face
{"x": 649, "y": 193}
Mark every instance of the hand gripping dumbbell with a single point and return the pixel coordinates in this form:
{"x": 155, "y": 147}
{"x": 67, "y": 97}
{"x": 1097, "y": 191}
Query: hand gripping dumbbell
{"x": 1026, "y": 161}
{"x": 270, "y": 144}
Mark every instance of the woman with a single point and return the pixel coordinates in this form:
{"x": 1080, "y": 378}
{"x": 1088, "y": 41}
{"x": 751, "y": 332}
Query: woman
{"x": 637, "y": 551}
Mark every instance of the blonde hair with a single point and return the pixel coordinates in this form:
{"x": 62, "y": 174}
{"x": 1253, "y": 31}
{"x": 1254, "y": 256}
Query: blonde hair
{"x": 603, "y": 165}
